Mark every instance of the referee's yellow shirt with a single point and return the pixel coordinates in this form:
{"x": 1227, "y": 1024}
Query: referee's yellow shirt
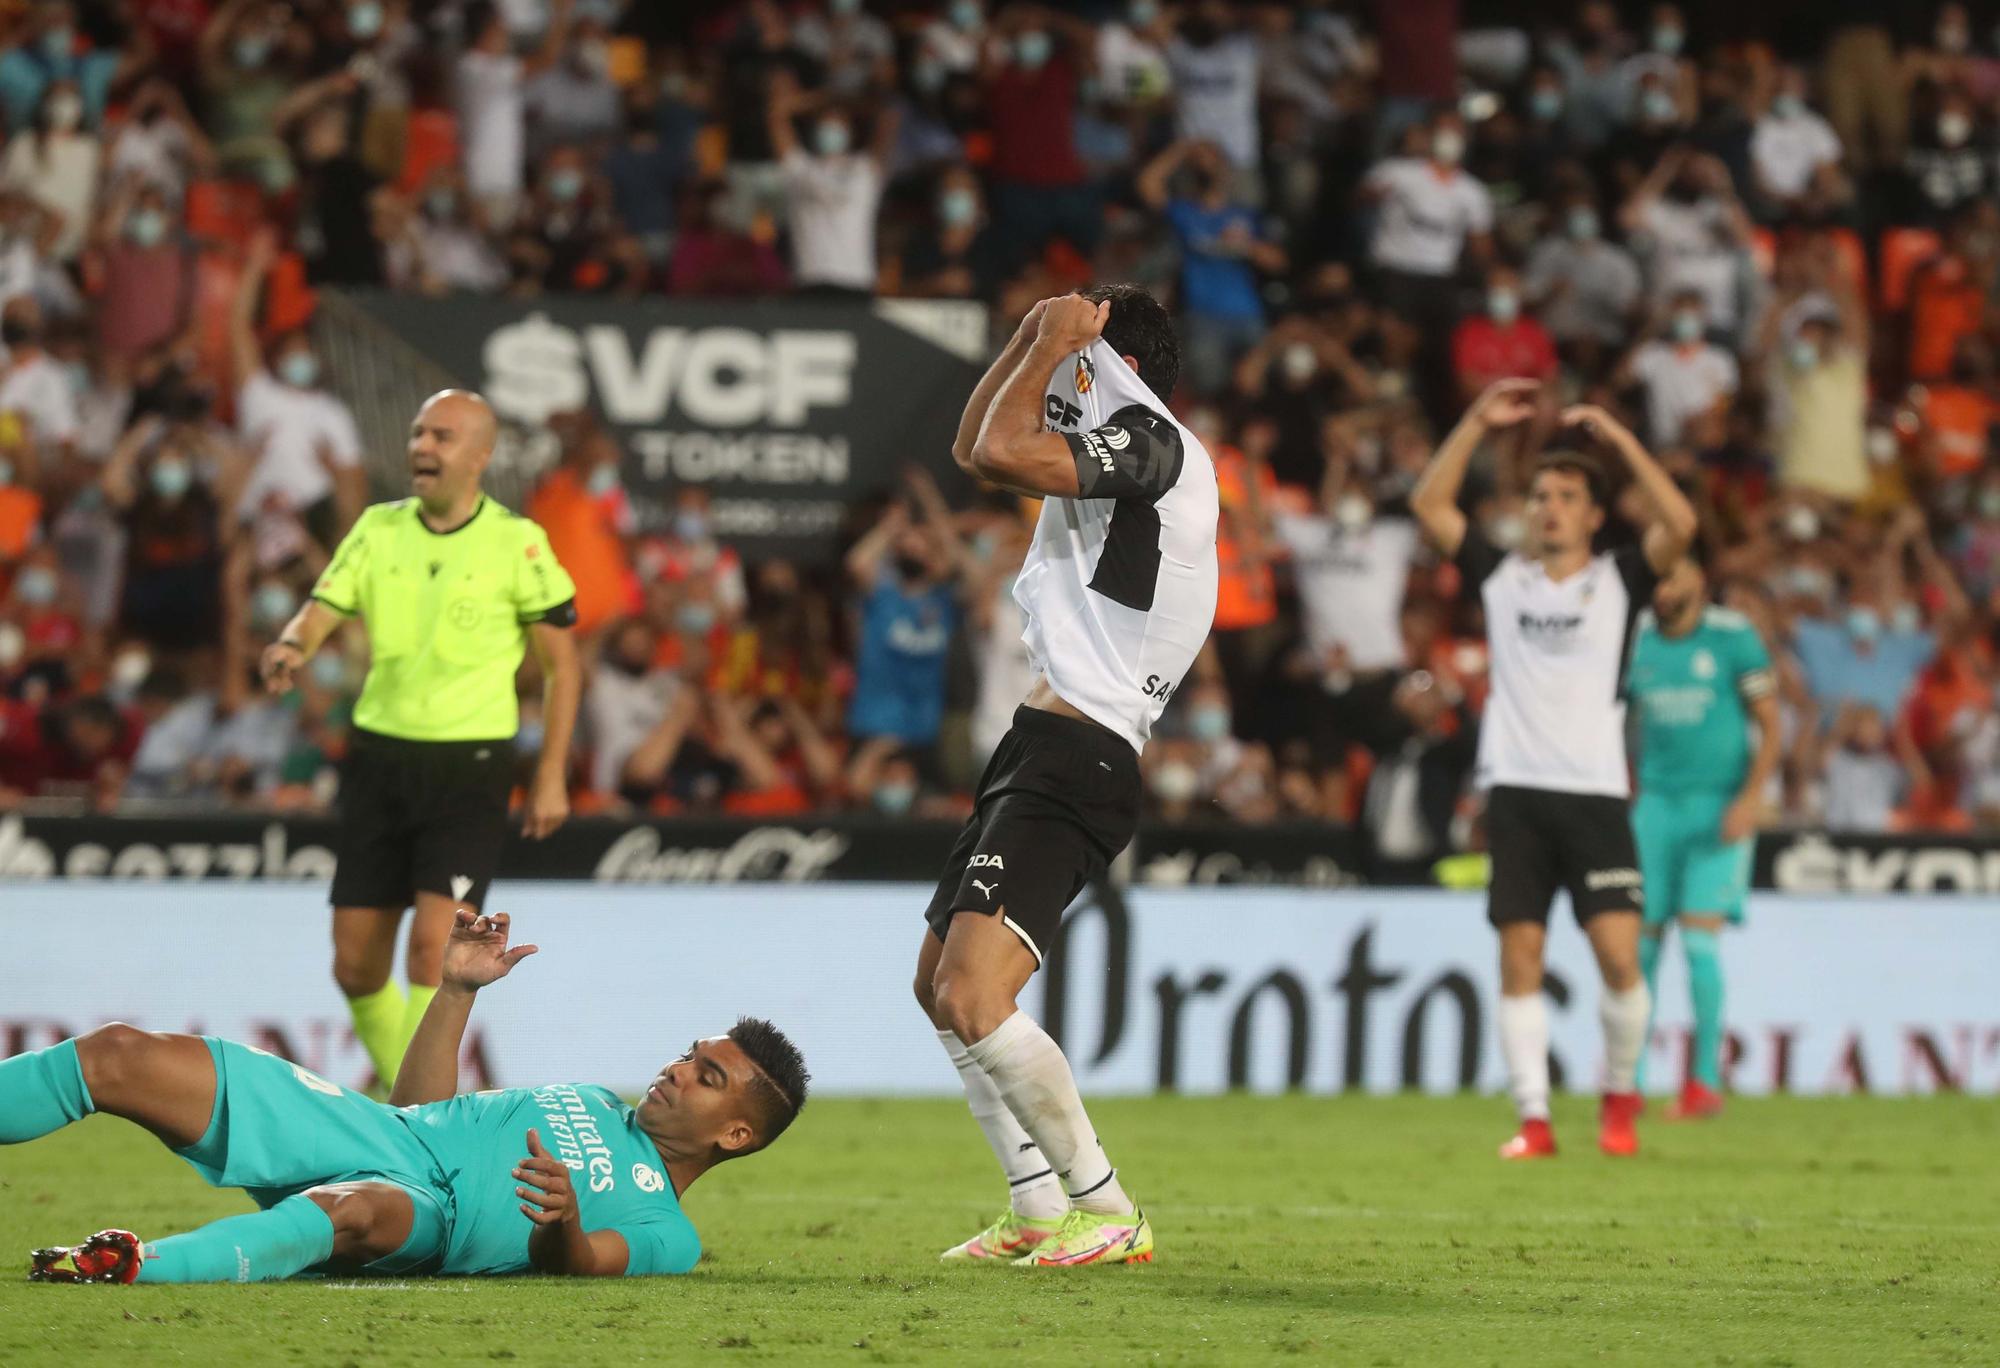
{"x": 448, "y": 616}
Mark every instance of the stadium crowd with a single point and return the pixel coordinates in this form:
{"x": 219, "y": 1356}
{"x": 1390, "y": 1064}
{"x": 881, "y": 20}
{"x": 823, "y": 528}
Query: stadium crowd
{"x": 1779, "y": 263}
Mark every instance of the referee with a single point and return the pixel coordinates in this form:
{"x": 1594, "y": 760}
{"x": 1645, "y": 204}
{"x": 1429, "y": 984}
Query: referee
{"x": 453, "y": 589}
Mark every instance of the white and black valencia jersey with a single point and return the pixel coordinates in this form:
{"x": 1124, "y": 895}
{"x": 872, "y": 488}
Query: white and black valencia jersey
{"x": 1119, "y": 584}
{"x": 1555, "y": 719}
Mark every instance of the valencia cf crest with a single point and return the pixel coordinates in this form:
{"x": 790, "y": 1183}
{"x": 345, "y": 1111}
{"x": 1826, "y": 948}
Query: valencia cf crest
{"x": 1085, "y": 374}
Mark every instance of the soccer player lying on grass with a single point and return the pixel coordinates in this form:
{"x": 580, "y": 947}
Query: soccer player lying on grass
{"x": 562, "y": 1179}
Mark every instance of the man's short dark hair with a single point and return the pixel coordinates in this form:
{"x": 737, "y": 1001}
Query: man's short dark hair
{"x": 778, "y": 1087}
{"x": 1578, "y": 463}
{"x": 1140, "y": 327}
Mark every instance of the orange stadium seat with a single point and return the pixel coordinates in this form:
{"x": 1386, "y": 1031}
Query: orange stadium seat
{"x": 1903, "y": 250}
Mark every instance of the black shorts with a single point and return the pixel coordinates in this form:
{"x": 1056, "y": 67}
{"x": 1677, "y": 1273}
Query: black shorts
{"x": 1542, "y": 840}
{"x": 1058, "y": 801}
{"x": 420, "y": 816}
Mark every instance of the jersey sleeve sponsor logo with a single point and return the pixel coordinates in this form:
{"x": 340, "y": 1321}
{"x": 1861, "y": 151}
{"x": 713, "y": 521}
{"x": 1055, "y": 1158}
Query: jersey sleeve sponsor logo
{"x": 1117, "y": 438}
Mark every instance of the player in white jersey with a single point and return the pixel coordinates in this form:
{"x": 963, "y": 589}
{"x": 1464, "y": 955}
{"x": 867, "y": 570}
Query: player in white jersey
{"x": 1559, "y": 618}
{"x": 1119, "y": 593}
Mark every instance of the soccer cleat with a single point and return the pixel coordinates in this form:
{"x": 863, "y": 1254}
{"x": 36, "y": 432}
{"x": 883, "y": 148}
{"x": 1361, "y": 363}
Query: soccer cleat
{"x": 109, "y": 1256}
{"x": 1090, "y": 1237}
{"x": 1697, "y": 1102}
{"x": 1533, "y": 1141}
{"x": 1617, "y": 1132}
{"x": 1004, "y": 1241}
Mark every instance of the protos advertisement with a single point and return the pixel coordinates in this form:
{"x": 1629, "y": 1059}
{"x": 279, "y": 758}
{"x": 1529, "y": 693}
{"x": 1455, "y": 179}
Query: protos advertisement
{"x": 1255, "y": 988}
{"x": 786, "y": 411}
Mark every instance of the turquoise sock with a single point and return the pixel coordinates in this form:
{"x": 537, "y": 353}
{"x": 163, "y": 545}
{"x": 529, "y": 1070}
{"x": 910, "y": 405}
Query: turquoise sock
{"x": 40, "y": 1092}
{"x": 1704, "y": 957}
{"x": 289, "y": 1238}
{"x": 1649, "y": 965}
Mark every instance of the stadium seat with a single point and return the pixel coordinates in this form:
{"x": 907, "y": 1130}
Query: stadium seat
{"x": 431, "y": 143}
{"x": 1903, "y": 250}
{"x": 226, "y": 212}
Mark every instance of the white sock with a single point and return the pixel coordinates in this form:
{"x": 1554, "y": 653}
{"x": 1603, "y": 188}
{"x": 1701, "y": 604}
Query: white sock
{"x": 1524, "y": 1044}
{"x": 1033, "y": 1187}
{"x": 1624, "y": 1016}
{"x": 1028, "y": 1068}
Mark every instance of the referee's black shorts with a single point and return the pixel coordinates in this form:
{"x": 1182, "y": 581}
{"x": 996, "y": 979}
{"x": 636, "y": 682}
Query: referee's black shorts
{"x": 420, "y": 816}
{"x": 1058, "y": 801}
{"x": 1542, "y": 840}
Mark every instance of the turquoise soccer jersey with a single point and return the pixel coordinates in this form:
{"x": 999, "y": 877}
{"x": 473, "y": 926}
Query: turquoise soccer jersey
{"x": 620, "y": 1182}
{"x": 1691, "y": 695}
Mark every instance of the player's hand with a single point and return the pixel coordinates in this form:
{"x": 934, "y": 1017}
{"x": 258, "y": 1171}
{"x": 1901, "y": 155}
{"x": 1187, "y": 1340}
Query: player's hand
{"x": 1072, "y": 323}
{"x": 1742, "y": 819}
{"x": 547, "y": 1196}
{"x": 477, "y": 952}
{"x": 1506, "y": 402}
{"x": 1031, "y": 322}
{"x": 281, "y": 662}
{"x": 1596, "y": 422}
{"x": 548, "y": 807}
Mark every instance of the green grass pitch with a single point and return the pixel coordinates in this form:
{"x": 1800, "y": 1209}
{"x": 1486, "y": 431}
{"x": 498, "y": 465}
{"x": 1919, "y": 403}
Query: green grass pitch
{"x": 1357, "y": 1231}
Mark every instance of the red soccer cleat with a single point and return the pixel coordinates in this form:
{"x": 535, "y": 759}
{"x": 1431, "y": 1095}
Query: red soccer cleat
{"x": 109, "y": 1256}
{"x": 1697, "y": 1102}
{"x": 1617, "y": 1131}
{"x": 1534, "y": 1141}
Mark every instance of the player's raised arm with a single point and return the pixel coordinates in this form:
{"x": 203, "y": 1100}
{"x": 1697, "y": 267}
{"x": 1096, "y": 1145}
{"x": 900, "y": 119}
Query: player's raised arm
{"x": 1013, "y": 450}
{"x": 983, "y": 393}
{"x": 475, "y": 956}
{"x": 1434, "y": 502}
{"x": 1672, "y": 527}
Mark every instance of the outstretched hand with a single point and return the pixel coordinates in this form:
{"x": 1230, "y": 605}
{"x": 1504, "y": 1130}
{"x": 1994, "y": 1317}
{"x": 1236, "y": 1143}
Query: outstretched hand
{"x": 1504, "y": 403}
{"x": 477, "y": 952}
{"x": 1596, "y": 423}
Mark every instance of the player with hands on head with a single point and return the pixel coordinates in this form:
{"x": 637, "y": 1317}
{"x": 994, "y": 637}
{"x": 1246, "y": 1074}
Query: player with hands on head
{"x": 432, "y": 1182}
{"x": 1559, "y": 616}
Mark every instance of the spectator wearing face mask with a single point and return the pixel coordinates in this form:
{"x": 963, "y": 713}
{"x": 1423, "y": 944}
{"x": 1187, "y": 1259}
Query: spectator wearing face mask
{"x": 628, "y": 697}
{"x": 35, "y": 394}
{"x": 1585, "y": 290}
{"x": 573, "y": 99}
{"x": 1816, "y": 370}
{"x": 45, "y": 49}
{"x": 303, "y": 437}
{"x": 1041, "y": 189}
{"x": 567, "y": 238}
{"x": 1688, "y": 381}
{"x": 1299, "y": 375}
{"x": 1502, "y": 342}
{"x": 687, "y": 545}
{"x": 1692, "y": 233}
{"x": 246, "y": 75}
{"x": 170, "y": 485}
{"x": 340, "y": 200}
{"x": 1795, "y": 156}
{"x": 137, "y": 272}
{"x": 1215, "y": 64}
{"x": 904, "y": 572}
{"x": 493, "y": 104}
{"x": 1870, "y": 655}
{"x": 441, "y": 245}
{"x": 1866, "y": 774}
{"x": 55, "y": 161}
{"x": 954, "y": 255}
{"x": 583, "y": 506}
{"x": 1948, "y": 293}
{"x": 833, "y": 191}
{"x": 1949, "y": 163}
{"x": 853, "y": 47}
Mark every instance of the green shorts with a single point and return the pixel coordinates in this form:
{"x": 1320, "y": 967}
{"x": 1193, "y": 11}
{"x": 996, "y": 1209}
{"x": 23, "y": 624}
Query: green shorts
{"x": 1688, "y": 869}
{"x": 279, "y": 1129}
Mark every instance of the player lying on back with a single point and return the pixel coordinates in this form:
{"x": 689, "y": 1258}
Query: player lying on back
{"x": 562, "y": 1179}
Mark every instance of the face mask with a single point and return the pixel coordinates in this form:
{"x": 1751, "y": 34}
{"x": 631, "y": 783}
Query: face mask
{"x": 1447, "y": 146}
{"x": 1802, "y": 524}
{"x": 1583, "y": 224}
{"x": 65, "y": 112}
{"x": 13, "y": 645}
{"x": 146, "y": 227}
{"x": 690, "y": 527}
{"x": 1788, "y": 106}
{"x": 58, "y": 43}
{"x": 299, "y": 369}
{"x": 1989, "y": 502}
{"x": 1803, "y": 581}
{"x": 696, "y": 618}
{"x": 1209, "y": 724}
{"x": 1176, "y": 782}
{"x": 830, "y": 139}
{"x": 965, "y": 15}
{"x": 1953, "y": 39}
{"x": 1503, "y": 305}
{"x": 251, "y": 50}
{"x": 957, "y": 207}
{"x": 276, "y": 175}
{"x": 1507, "y": 530}
{"x": 36, "y": 586}
{"x": 1033, "y": 48}
{"x": 328, "y": 671}
{"x": 591, "y": 57}
{"x": 1352, "y": 513}
{"x": 442, "y": 204}
{"x": 528, "y": 740}
{"x": 6, "y": 472}
{"x": 845, "y": 8}
{"x": 1142, "y": 13}
{"x": 928, "y": 76}
{"x": 171, "y": 477}
{"x": 1668, "y": 40}
{"x": 1545, "y": 102}
{"x": 364, "y": 20}
{"x": 1905, "y": 619}
{"x": 1687, "y": 327}
{"x": 895, "y": 799}
{"x": 566, "y": 184}
{"x": 271, "y": 605}
{"x": 1804, "y": 354}
{"x": 1658, "y": 107}
{"x": 129, "y": 670}
{"x": 602, "y": 480}
{"x": 1881, "y": 446}
{"x": 1954, "y": 128}
{"x": 1863, "y": 624}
